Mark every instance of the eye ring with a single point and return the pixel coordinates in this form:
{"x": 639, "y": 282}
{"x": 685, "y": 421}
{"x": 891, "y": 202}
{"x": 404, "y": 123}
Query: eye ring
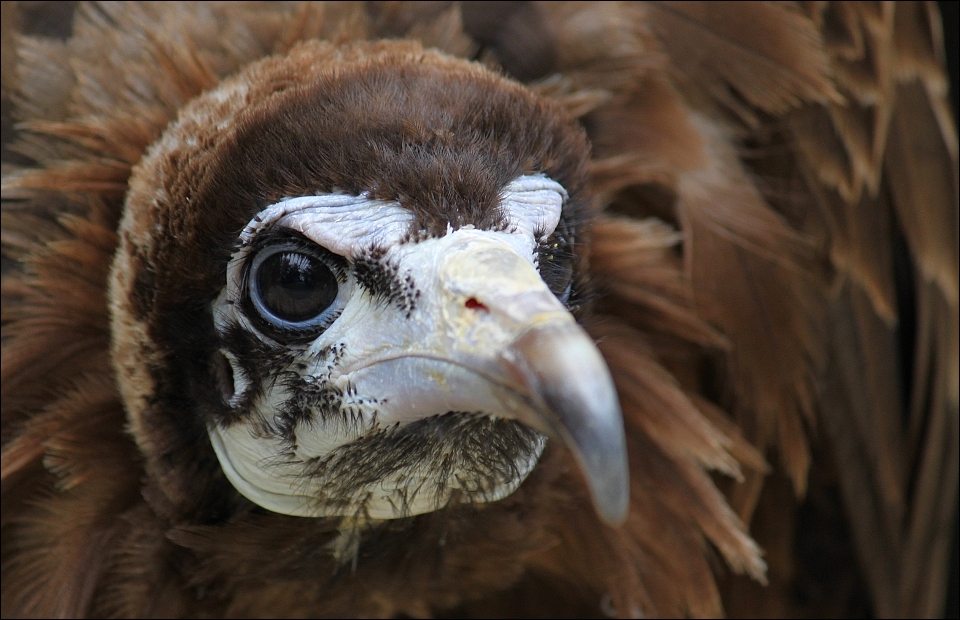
{"x": 295, "y": 289}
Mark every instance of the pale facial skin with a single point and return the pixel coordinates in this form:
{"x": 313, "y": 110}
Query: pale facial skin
{"x": 444, "y": 338}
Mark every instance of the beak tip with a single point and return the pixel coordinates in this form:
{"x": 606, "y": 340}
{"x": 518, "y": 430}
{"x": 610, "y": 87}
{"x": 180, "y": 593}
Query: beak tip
{"x": 561, "y": 367}
{"x": 613, "y": 503}
{"x": 608, "y": 478}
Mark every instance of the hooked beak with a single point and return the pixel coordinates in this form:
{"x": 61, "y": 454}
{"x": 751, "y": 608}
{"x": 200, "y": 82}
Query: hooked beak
{"x": 502, "y": 336}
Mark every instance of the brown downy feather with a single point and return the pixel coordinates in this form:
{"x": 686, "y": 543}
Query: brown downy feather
{"x": 741, "y": 303}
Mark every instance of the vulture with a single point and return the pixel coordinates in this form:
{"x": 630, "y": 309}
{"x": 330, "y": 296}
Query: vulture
{"x": 413, "y": 309}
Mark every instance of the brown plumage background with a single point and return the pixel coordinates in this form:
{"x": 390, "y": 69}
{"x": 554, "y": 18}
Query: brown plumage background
{"x": 775, "y": 260}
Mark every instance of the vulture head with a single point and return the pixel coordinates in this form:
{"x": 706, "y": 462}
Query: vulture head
{"x": 346, "y": 286}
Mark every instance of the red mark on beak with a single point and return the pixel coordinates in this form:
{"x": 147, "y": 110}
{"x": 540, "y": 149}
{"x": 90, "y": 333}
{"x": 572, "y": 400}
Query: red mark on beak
{"x": 474, "y": 304}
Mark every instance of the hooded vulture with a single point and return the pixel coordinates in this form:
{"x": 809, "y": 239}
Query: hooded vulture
{"x": 477, "y": 309}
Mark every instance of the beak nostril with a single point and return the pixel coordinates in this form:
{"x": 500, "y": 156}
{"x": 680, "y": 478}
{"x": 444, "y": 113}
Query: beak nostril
{"x": 474, "y": 304}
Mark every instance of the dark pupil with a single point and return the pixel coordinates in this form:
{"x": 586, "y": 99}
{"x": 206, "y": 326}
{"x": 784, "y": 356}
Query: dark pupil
{"x": 295, "y": 287}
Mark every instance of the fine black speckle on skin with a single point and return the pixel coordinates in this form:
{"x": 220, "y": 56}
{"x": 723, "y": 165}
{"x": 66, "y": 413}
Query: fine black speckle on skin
{"x": 313, "y": 398}
{"x": 383, "y": 280}
{"x": 464, "y": 455}
{"x": 265, "y": 365}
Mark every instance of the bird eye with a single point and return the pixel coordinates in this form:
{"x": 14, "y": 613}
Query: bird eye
{"x": 294, "y": 288}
